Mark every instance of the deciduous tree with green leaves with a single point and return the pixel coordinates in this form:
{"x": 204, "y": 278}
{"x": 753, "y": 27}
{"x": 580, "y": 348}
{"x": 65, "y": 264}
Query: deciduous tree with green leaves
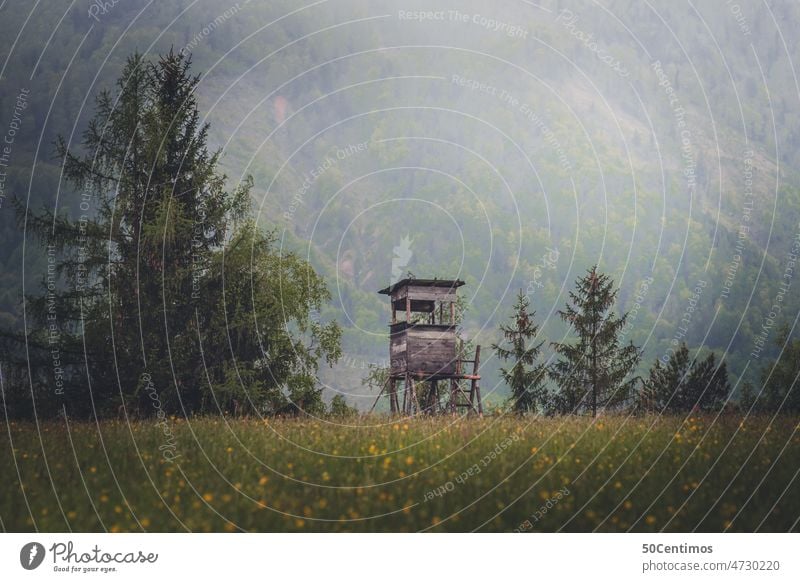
{"x": 170, "y": 298}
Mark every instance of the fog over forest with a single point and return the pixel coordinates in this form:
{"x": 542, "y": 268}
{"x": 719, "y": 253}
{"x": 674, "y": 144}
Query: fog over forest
{"x": 510, "y": 144}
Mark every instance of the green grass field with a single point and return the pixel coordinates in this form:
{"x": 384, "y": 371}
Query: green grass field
{"x": 446, "y": 474}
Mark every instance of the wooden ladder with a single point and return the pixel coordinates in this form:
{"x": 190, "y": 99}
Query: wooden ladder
{"x": 472, "y": 397}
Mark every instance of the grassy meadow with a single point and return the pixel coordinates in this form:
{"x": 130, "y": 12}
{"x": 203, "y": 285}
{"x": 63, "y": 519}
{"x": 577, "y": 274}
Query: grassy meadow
{"x": 496, "y": 474}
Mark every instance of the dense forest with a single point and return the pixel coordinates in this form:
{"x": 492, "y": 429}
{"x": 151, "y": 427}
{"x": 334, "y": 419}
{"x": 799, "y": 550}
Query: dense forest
{"x": 661, "y": 147}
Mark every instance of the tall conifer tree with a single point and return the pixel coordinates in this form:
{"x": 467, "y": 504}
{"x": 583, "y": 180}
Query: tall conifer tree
{"x": 525, "y": 377}
{"x": 594, "y": 372}
{"x": 170, "y": 298}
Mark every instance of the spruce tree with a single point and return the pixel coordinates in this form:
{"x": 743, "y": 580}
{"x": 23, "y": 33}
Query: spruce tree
{"x": 525, "y": 377}
{"x": 664, "y": 386}
{"x": 683, "y": 384}
{"x": 779, "y": 379}
{"x": 594, "y": 372}
{"x": 708, "y": 387}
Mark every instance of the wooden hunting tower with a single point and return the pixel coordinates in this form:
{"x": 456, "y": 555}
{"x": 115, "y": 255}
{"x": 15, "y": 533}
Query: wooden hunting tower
{"x": 424, "y": 349}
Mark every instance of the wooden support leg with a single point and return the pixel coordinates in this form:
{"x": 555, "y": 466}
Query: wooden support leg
{"x": 397, "y": 396}
{"x": 395, "y": 403}
{"x": 411, "y": 390}
{"x": 476, "y": 387}
{"x": 414, "y": 400}
{"x": 383, "y": 388}
{"x": 472, "y": 388}
{"x": 405, "y": 395}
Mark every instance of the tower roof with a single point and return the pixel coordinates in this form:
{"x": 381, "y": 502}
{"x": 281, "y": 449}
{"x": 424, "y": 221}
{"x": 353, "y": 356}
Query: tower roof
{"x": 446, "y": 283}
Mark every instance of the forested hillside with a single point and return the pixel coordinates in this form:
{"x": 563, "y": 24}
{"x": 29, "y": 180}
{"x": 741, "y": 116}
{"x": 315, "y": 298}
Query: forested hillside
{"x": 512, "y": 147}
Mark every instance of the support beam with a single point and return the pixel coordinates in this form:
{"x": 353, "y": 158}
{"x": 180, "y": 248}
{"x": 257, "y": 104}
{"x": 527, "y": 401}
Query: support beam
{"x": 405, "y": 394}
{"x": 414, "y": 403}
{"x": 385, "y": 384}
{"x": 476, "y": 387}
{"x": 394, "y": 401}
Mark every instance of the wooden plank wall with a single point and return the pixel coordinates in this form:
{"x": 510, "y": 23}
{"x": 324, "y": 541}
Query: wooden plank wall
{"x": 432, "y": 351}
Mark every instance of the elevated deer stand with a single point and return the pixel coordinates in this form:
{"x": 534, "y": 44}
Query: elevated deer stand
{"x": 424, "y": 348}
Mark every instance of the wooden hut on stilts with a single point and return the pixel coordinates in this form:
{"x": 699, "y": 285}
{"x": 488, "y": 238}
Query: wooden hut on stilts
{"x": 426, "y": 373}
